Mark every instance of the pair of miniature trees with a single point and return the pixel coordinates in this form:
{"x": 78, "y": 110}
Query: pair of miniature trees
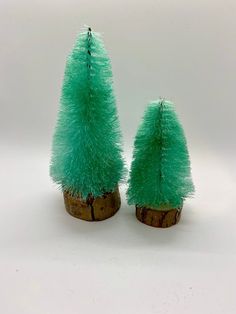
{"x": 87, "y": 160}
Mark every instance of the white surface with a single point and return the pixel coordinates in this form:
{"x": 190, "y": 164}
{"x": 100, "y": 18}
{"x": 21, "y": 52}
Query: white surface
{"x": 53, "y": 263}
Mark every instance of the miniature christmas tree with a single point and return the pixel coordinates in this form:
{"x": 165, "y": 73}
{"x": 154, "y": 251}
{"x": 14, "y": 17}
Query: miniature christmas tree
{"x": 86, "y": 155}
{"x": 160, "y": 177}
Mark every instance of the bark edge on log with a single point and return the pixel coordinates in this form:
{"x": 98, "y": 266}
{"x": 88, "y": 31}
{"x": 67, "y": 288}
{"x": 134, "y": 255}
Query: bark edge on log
{"x": 93, "y": 208}
{"x": 157, "y": 217}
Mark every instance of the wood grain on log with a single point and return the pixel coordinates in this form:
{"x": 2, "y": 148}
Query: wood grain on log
{"x": 93, "y": 208}
{"x": 157, "y": 217}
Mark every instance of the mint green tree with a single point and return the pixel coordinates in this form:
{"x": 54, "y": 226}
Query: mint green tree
{"x": 160, "y": 176}
{"x": 86, "y": 151}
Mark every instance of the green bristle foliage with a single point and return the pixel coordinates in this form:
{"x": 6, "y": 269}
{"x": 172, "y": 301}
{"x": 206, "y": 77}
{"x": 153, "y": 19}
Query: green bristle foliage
{"x": 86, "y": 151}
{"x": 160, "y": 175}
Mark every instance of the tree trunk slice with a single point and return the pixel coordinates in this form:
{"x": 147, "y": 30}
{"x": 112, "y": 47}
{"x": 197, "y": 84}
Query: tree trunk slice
{"x": 158, "y": 218}
{"x": 93, "y": 208}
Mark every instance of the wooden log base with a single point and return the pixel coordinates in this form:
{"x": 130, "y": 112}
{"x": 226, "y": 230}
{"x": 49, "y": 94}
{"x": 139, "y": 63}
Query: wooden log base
{"x": 93, "y": 208}
{"x": 157, "y": 217}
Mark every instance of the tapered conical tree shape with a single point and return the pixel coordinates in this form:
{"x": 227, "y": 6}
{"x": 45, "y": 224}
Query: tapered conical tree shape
{"x": 86, "y": 153}
{"x": 160, "y": 172}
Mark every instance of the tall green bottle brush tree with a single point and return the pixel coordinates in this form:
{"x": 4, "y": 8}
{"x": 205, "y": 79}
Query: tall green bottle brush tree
{"x": 87, "y": 158}
{"x": 160, "y": 176}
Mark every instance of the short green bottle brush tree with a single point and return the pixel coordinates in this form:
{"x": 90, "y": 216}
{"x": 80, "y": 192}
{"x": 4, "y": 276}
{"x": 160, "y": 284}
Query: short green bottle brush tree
{"x": 160, "y": 176}
{"x": 87, "y": 160}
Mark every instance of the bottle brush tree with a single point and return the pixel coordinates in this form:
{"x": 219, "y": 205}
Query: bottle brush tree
{"x": 86, "y": 157}
{"x": 160, "y": 176}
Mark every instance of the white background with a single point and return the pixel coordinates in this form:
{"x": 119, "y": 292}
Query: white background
{"x": 51, "y": 262}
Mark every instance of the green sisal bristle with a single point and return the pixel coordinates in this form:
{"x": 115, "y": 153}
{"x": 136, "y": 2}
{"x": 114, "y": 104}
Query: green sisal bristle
{"x": 86, "y": 151}
{"x": 160, "y": 175}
